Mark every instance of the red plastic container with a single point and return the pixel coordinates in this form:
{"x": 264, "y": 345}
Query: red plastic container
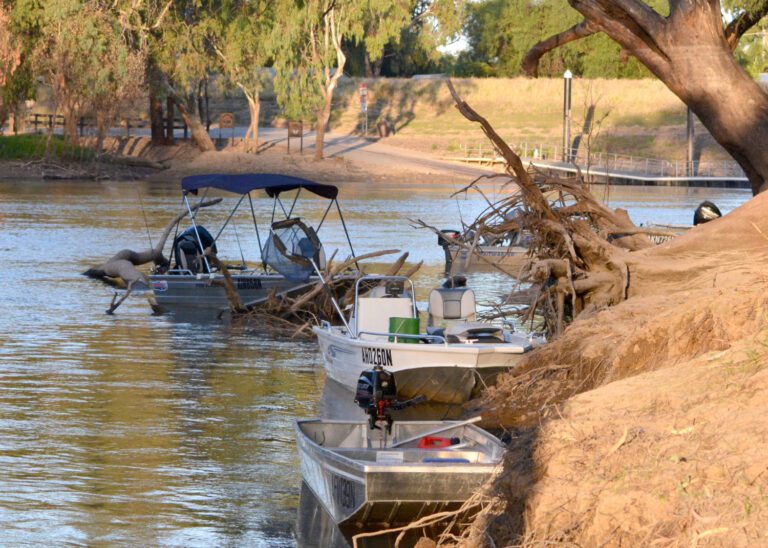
{"x": 434, "y": 442}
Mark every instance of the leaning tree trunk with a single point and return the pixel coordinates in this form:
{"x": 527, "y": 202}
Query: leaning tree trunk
{"x": 252, "y": 135}
{"x": 691, "y": 51}
{"x": 199, "y": 134}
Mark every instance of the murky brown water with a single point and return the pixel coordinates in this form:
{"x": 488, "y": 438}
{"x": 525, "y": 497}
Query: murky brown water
{"x": 145, "y": 430}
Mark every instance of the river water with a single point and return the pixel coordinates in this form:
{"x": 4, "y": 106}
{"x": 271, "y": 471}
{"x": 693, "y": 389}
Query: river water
{"x": 144, "y": 430}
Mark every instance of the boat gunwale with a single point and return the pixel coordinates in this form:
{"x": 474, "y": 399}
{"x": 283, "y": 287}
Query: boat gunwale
{"x": 463, "y": 348}
{"x": 410, "y": 468}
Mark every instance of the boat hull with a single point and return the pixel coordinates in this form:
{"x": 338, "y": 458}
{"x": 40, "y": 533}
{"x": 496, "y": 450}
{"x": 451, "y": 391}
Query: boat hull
{"x": 207, "y": 292}
{"x": 444, "y": 373}
{"x": 368, "y": 495}
{"x": 485, "y": 257}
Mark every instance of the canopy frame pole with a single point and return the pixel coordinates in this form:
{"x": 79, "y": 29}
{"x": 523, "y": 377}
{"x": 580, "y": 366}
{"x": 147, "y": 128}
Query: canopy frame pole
{"x": 295, "y": 199}
{"x": 258, "y": 238}
{"x": 231, "y": 213}
{"x": 279, "y": 201}
{"x": 175, "y": 234}
{"x": 346, "y": 232}
{"x": 327, "y": 209}
{"x": 330, "y": 294}
{"x": 193, "y": 215}
{"x": 274, "y": 208}
{"x": 194, "y": 225}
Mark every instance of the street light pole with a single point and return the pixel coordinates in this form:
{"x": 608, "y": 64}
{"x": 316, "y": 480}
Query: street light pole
{"x": 567, "y": 78}
{"x": 689, "y": 171}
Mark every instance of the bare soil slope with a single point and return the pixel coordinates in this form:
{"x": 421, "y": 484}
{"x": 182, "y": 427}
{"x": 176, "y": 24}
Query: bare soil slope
{"x": 700, "y": 292}
{"x": 666, "y": 442}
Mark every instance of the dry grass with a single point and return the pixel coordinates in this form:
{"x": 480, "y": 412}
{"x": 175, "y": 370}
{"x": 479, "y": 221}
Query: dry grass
{"x": 643, "y": 117}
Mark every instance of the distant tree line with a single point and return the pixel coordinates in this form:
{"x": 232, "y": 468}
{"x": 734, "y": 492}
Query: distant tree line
{"x": 98, "y": 56}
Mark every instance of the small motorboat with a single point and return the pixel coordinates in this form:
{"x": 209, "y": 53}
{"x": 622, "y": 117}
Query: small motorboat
{"x": 195, "y": 282}
{"x": 449, "y": 363}
{"x": 465, "y": 252}
{"x": 380, "y": 473}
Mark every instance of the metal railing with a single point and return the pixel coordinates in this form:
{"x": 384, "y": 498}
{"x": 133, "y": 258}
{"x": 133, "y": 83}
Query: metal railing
{"x": 395, "y": 336}
{"x": 605, "y": 161}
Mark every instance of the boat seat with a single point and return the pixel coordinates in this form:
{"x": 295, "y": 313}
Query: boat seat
{"x": 373, "y": 313}
{"x": 456, "y": 303}
{"x": 452, "y": 315}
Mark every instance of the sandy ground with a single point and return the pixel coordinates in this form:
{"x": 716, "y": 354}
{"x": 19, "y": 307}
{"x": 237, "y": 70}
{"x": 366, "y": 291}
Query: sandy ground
{"x": 347, "y": 159}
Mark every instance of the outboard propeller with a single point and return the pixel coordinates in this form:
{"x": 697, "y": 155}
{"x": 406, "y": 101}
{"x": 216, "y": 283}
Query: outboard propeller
{"x": 376, "y": 394}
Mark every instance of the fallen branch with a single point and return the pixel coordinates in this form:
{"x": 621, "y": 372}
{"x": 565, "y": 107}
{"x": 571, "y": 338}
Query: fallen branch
{"x": 122, "y": 265}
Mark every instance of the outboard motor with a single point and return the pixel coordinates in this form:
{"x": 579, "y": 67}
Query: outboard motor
{"x": 707, "y": 211}
{"x": 444, "y": 240}
{"x": 376, "y": 394}
{"x": 187, "y": 251}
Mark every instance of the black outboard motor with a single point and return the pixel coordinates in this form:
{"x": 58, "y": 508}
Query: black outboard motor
{"x": 444, "y": 240}
{"x": 455, "y": 281}
{"x": 707, "y": 211}
{"x": 376, "y": 394}
{"x": 187, "y": 250}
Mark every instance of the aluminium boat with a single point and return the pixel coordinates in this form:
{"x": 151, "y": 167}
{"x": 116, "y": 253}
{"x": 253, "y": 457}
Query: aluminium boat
{"x": 194, "y": 282}
{"x": 368, "y": 479}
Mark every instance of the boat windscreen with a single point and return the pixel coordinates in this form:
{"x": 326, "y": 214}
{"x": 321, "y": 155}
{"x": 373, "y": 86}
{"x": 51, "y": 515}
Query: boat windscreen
{"x": 242, "y": 183}
{"x": 291, "y": 248}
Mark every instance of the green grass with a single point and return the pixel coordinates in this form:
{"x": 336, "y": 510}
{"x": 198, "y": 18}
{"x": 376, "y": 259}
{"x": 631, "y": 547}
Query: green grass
{"x": 35, "y": 146}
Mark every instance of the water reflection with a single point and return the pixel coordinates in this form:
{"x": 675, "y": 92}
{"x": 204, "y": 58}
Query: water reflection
{"x": 176, "y": 430}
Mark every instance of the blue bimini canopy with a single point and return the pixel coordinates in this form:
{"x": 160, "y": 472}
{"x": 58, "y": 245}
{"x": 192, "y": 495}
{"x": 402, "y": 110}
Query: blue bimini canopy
{"x": 243, "y": 183}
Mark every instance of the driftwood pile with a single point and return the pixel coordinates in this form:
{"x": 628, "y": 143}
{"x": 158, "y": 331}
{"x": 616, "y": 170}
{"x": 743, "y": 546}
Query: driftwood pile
{"x": 294, "y": 316}
{"x": 578, "y": 247}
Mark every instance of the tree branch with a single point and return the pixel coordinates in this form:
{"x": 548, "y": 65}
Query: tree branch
{"x": 743, "y": 22}
{"x": 514, "y": 163}
{"x": 631, "y": 23}
{"x": 530, "y": 64}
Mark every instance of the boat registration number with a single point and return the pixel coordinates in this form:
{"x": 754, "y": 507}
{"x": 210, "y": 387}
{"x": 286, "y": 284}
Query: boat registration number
{"x": 377, "y": 356}
{"x": 343, "y": 491}
{"x": 249, "y": 283}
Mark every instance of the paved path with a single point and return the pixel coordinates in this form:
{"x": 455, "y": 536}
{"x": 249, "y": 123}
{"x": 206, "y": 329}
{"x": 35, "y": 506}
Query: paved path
{"x": 366, "y": 151}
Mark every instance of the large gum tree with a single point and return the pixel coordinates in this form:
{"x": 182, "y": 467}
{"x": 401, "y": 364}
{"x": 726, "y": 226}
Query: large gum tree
{"x": 313, "y": 35}
{"x": 690, "y": 48}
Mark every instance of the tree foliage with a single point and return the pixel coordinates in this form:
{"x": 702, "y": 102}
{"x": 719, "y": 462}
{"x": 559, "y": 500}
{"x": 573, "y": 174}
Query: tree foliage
{"x": 501, "y": 32}
{"x": 242, "y": 37}
{"x": 83, "y": 56}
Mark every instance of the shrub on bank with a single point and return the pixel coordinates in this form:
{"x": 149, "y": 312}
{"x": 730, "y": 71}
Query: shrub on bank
{"x": 37, "y": 146}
